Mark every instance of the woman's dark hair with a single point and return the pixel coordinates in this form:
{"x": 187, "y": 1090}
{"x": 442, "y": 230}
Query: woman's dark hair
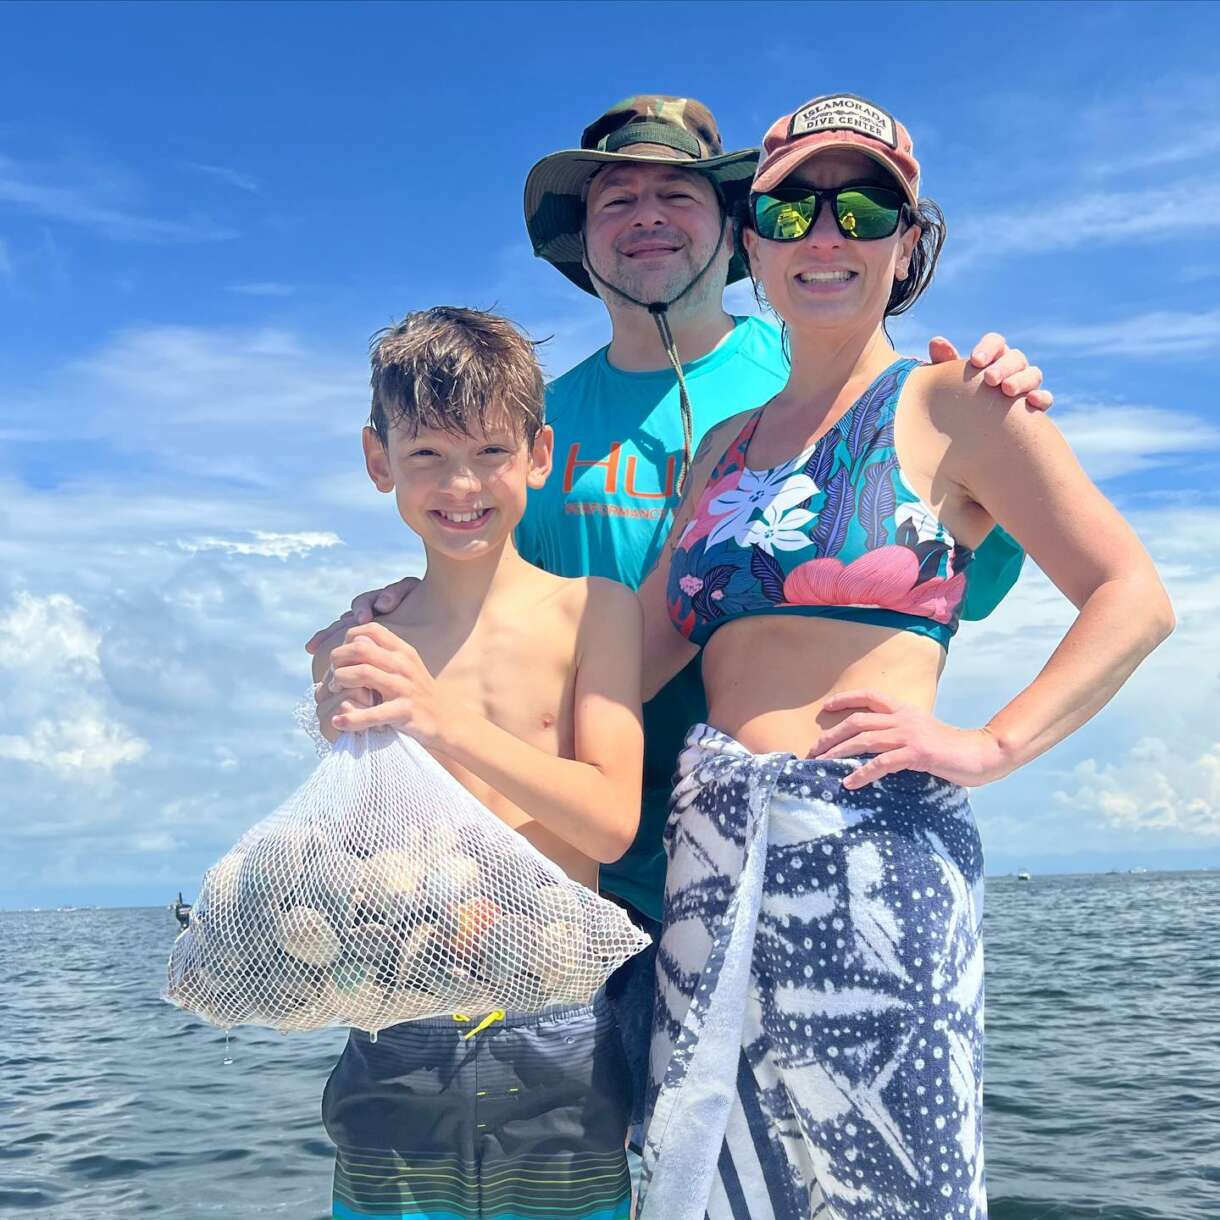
{"x": 932, "y": 233}
{"x": 933, "y": 230}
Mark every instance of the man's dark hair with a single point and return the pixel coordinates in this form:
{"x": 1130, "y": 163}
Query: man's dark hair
{"x": 452, "y": 368}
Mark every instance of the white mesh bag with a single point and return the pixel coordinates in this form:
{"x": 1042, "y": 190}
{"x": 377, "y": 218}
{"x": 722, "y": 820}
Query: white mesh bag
{"x": 381, "y": 891}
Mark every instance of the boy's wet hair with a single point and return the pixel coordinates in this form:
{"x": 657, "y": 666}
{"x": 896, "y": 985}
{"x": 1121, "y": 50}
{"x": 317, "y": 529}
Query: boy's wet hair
{"x": 451, "y": 368}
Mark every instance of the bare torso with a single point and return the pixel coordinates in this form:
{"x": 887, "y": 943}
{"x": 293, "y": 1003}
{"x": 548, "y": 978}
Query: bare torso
{"x": 767, "y": 678}
{"x": 514, "y": 666}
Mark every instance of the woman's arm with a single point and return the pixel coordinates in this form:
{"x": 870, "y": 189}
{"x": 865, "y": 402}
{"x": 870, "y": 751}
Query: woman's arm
{"x": 1015, "y": 463}
{"x": 1025, "y": 474}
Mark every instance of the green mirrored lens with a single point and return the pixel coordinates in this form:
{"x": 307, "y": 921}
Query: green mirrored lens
{"x": 783, "y": 219}
{"x": 866, "y": 213}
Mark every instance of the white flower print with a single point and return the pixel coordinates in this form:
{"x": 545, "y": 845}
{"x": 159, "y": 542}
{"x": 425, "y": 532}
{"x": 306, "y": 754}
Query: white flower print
{"x": 777, "y": 488}
{"x": 927, "y": 527}
{"x": 777, "y": 530}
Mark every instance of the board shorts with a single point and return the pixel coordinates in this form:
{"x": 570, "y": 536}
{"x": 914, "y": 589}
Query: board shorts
{"x": 523, "y": 1120}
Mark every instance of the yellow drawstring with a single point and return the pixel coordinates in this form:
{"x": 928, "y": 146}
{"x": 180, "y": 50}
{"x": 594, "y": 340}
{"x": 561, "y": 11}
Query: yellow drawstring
{"x": 490, "y": 1019}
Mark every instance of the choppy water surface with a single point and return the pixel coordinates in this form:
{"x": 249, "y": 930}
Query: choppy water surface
{"x": 1103, "y": 1067}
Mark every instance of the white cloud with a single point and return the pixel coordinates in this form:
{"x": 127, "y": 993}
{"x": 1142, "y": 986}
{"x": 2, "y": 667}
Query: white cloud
{"x": 1203, "y": 144}
{"x": 233, "y": 177}
{"x": 263, "y": 288}
{"x": 48, "y": 631}
{"x": 50, "y": 653}
{"x": 254, "y": 381}
{"x": 1159, "y": 334}
{"x": 1157, "y": 787}
{"x": 1117, "y": 439}
{"x": 84, "y": 204}
{"x": 1172, "y": 696}
{"x": 266, "y": 543}
{"x": 1084, "y": 219}
{"x": 83, "y": 747}
{"x": 1200, "y": 271}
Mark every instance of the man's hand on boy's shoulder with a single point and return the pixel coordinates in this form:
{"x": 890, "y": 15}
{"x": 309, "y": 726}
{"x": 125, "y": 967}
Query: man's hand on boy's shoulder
{"x": 365, "y": 608}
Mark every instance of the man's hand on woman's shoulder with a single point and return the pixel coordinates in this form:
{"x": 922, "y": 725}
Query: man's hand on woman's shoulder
{"x": 1006, "y": 368}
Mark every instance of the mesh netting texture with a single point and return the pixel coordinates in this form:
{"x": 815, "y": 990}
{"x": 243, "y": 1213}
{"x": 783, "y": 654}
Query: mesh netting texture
{"x": 381, "y": 891}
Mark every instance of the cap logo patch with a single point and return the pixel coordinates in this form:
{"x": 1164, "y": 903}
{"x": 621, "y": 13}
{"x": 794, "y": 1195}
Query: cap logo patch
{"x": 843, "y": 112}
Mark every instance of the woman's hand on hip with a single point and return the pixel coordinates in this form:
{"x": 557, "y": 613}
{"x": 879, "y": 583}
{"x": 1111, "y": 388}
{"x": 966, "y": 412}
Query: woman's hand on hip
{"x": 906, "y": 738}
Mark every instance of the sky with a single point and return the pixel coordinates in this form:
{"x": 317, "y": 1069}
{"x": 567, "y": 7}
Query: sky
{"x": 206, "y": 210}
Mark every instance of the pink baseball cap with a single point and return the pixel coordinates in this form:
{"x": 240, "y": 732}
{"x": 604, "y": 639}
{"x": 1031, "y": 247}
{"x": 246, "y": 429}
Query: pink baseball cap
{"x": 838, "y": 120}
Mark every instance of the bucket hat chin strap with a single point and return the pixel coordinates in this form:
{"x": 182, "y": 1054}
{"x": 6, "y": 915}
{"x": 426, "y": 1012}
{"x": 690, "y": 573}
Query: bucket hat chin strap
{"x": 660, "y": 315}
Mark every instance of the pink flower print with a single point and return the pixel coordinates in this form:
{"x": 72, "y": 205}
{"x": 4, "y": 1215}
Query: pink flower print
{"x": 704, "y": 520}
{"x": 937, "y": 599}
{"x": 690, "y": 585}
{"x": 885, "y": 577}
{"x": 716, "y": 595}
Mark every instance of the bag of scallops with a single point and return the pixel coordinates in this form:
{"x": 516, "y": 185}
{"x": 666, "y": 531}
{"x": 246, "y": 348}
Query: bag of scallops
{"x": 381, "y": 891}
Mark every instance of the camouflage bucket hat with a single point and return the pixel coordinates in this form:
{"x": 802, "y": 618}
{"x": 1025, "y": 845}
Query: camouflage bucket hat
{"x": 647, "y": 129}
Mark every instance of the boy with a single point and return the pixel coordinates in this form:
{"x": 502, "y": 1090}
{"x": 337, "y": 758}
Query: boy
{"x": 526, "y": 687}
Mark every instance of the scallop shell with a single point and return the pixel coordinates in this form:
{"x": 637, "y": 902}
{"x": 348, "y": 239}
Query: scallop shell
{"x": 305, "y": 933}
{"x": 452, "y": 878}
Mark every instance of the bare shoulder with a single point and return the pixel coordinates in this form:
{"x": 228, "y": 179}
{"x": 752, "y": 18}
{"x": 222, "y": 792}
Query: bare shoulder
{"x": 597, "y": 598}
{"x": 955, "y": 398}
{"x": 611, "y": 598}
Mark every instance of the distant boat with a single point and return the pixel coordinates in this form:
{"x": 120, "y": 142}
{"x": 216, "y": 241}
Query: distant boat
{"x": 1136, "y": 871}
{"x": 181, "y": 910}
{"x": 1022, "y": 876}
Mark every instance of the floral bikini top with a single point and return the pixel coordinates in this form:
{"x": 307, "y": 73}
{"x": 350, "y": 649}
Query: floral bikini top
{"x": 836, "y": 532}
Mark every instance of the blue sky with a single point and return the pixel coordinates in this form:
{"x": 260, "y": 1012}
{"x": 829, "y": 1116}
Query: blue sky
{"x": 205, "y": 210}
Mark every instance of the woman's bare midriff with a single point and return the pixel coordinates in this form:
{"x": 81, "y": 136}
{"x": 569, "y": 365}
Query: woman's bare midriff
{"x": 767, "y": 677}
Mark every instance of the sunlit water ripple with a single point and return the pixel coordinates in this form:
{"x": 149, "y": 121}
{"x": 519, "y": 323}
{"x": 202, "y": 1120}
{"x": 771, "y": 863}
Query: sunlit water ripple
{"x": 1103, "y": 1066}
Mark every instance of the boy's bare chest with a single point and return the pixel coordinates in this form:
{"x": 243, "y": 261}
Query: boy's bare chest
{"x": 519, "y": 675}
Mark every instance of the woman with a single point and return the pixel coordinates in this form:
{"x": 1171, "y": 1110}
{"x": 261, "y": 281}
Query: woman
{"x": 817, "y": 1048}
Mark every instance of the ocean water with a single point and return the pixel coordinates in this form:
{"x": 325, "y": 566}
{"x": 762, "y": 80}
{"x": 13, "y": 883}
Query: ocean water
{"x": 1103, "y": 1067}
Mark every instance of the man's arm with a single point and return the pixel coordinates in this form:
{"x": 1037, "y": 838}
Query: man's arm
{"x": 591, "y": 801}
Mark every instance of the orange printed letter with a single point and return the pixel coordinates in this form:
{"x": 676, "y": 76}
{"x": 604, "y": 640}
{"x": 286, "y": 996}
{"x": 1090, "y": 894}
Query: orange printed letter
{"x": 651, "y": 495}
{"x": 610, "y": 462}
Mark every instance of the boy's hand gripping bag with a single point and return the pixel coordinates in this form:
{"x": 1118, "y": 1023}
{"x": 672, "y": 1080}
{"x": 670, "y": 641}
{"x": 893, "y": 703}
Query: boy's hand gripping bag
{"x": 382, "y": 891}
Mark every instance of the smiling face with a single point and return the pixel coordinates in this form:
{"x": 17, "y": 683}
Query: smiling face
{"x": 650, "y": 229}
{"x": 462, "y": 493}
{"x": 826, "y": 280}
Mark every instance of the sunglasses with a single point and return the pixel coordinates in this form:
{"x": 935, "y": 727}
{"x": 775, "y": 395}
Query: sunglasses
{"x": 862, "y": 212}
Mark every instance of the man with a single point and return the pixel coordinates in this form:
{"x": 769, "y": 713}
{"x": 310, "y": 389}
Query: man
{"x": 641, "y": 215}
